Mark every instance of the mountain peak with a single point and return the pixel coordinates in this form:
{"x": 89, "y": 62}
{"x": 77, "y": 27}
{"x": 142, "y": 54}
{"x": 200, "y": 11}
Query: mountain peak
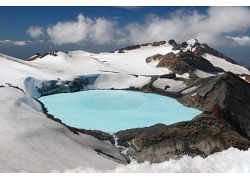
{"x": 52, "y": 53}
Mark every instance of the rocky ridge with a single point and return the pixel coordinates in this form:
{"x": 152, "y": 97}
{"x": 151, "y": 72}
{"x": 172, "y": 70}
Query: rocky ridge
{"x": 186, "y": 62}
{"x": 199, "y": 49}
{"x": 224, "y": 123}
{"x": 38, "y": 55}
{"x": 137, "y": 46}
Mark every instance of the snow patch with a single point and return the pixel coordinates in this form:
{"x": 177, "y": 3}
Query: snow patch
{"x": 120, "y": 81}
{"x": 175, "y": 86}
{"x": 202, "y": 74}
{"x": 231, "y": 160}
{"x": 134, "y": 61}
{"x": 194, "y": 94}
{"x": 186, "y": 91}
{"x": 227, "y": 66}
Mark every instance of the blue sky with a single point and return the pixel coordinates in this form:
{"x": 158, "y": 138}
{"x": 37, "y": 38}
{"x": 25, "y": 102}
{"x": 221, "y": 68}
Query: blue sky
{"x": 95, "y": 29}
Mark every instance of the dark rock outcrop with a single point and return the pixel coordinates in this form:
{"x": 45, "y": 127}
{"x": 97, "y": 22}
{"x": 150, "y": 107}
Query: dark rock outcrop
{"x": 158, "y": 43}
{"x": 172, "y": 42}
{"x": 168, "y": 76}
{"x": 203, "y": 48}
{"x": 246, "y": 77}
{"x": 153, "y": 58}
{"x": 97, "y": 134}
{"x": 177, "y": 46}
{"x": 137, "y": 46}
{"x": 200, "y": 49}
{"x": 34, "y": 57}
{"x": 230, "y": 93}
{"x": 52, "y": 53}
{"x": 224, "y": 123}
{"x": 186, "y": 62}
{"x": 202, "y": 136}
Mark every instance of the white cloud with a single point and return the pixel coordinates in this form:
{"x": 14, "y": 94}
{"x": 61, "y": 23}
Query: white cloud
{"x": 240, "y": 41}
{"x": 34, "y": 31}
{"x": 19, "y": 43}
{"x": 182, "y": 25}
{"x": 213, "y": 27}
{"x": 5, "y": 41}
{"x": 102, "y": 31}
{"x": 98, "y": 30}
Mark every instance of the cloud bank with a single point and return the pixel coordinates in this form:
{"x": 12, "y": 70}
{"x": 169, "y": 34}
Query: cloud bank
{"x": 216, "y": 26}
{"x": 98, "y": 30}
{"x": 34, "y": 31}
{"x": 19, "y": 43}
{"x": 239, "y": 41}
{"x": 181, "y": 25}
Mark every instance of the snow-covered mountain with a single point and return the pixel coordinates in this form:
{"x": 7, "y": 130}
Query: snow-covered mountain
{"x": 125, "y": 63}
{"x": 30, "y": 140}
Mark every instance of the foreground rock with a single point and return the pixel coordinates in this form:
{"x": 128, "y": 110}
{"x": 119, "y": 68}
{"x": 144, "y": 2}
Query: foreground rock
{"x": 224, "y": 123}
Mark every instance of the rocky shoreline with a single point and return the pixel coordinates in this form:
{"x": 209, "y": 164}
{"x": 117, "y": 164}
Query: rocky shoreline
{"x": 223, "y": 123}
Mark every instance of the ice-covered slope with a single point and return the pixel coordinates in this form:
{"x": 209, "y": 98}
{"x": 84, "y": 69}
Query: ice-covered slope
{"x": 133, "y": 61}
{"x": 227, "y": 66}
{"x": 64, "y": 66}
{"x": 29, "y": 141}
{"x": 216, "y": 58}
{"x": 32, "y": 142}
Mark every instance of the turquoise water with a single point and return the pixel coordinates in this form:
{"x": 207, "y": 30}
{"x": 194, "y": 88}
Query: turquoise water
{"x": 114, "y": 110}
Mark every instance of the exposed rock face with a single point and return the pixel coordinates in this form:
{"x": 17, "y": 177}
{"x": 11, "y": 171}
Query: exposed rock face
{"x": 186, "y": 62}
{"x": 202, "y": 136}
{"x": 229, "y": 92}
{"x": 132, "y": 47}
{"x": 52, "y": 53}
{"x": 200, "y": 49}
{"x": 203, "y": 48}
{"x": 34, "y": 57}
{"x": 177, "y": 46}
{"x": 246, "y": 77}
{"x": 168, "y": 76}
{"x": 37, "y": 55}
{"x": 97, "y": 134}
{"x": 137, "y": 46}
{"x": 153, "y": 58}
{"x": 225, "y": 122}
{"x": 172, "y": 42}
{"x": 158, "y": 43}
